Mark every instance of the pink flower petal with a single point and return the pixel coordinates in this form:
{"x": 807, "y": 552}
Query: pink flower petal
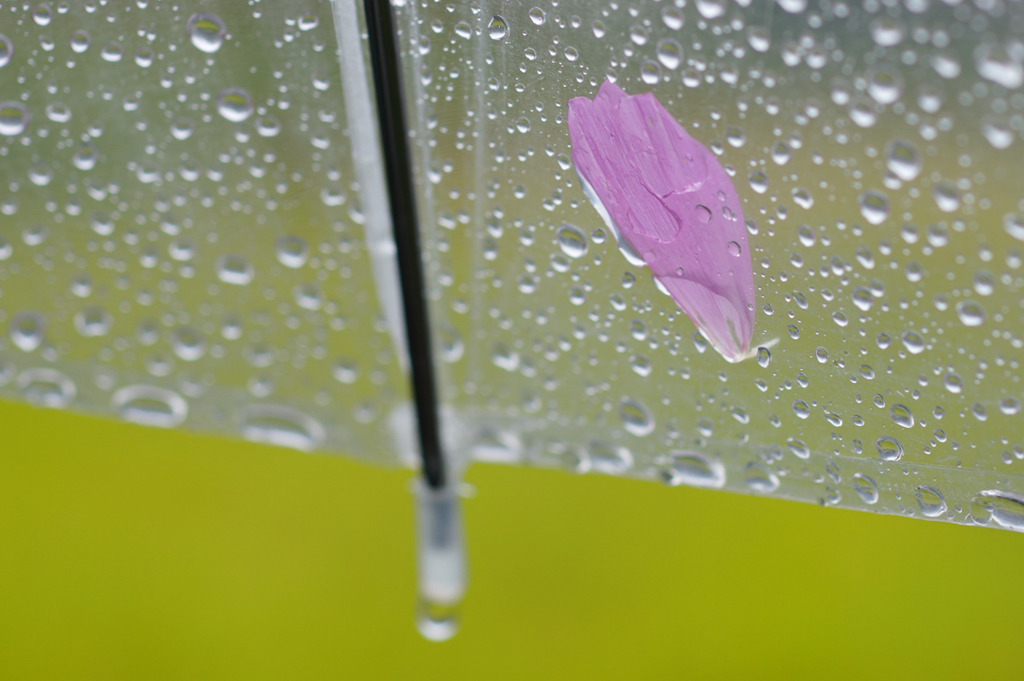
{"x": 671, "y": 206}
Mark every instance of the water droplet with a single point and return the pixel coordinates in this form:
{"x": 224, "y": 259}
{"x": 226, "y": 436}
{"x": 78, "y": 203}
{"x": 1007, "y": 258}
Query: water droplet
{"x": 801, "y": 409}
{"x": 641, "y": 365}
{"x": 781, "y": 153}
{"x": 995, "y": 507}
{"x": 913, "y": 342}
{"x": 865, "y": 488}
{"x": 292, "y": 251}
{"x": 695, "y": 470}
{"x": 886, "y": 31}
{"x": 793, "y": 6}
{"x": 971, "y": 313}
{"x": 345, "y": 371}
{"x": 1010, "y": 406}
{"x": 1013, "y": 223}
{"x": 711, "y": 9}
{"x": 764, "y": 357}
{"x": 885, "y": 86}
{"x": 673, "y": 18}
{"x": 268, "y": 126}
{"x": 999, "y": 135}
{"x": 278, "y": 425}
{"x": 14, "y": 118}
{"x": 670, "y": 54}
{"x": 930, "y": 500}
{"x": 80, "y": 41}
{"x": 93, "y": 322}
{"x": 6, "y": 50}
{"x": 234, "y": 269}
{"x": 600, "y": 457}
{"x": 704, "y": 214}
{"x": 188, "y": 343}
{"x": 112, "y": 52}
{"x": 889, "y": 448}
{"x": 998, "y": 65}
{"x": 759, "y": 479}
{"x": 27, "y": 330}
{"x": 636, "y": 418}
{"x": 759, "y": 38}
{"x": 206, "y": 31}
{"x": 947, "y": 198}
{"x": 437, "y": 621}
{"x": 42, "y": 14}
{"x": 874, "y": 206}
{"x": 650, "y": 72}
{"x": 150, "y": 406}
{"x": 953, "y": 383}
{"x": 538, "y": 16}
{"x": 799, "y": 448}
{"x": 234, "y": 104}
{"x": 182, "y": 129}
{"x": 902, "y": 159}
{"x": 902, "y": 416}
{"x": 498, "y": 28}
{"x": 47, "y": 388}
{"x": 572, "y": 240}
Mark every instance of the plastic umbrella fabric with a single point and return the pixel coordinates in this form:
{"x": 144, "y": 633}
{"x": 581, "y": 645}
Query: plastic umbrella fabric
{"x": 204, "y": 242}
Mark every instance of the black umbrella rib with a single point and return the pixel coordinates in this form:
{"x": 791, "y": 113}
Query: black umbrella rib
{"x": 399, "y": 173}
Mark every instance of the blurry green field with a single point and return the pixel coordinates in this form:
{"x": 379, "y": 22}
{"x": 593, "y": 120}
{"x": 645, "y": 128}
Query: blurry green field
{"x": 133, "y": 553}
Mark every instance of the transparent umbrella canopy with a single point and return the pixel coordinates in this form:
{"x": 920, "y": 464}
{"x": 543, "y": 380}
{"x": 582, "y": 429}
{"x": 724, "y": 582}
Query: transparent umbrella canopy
{"x": 199, "y": 206}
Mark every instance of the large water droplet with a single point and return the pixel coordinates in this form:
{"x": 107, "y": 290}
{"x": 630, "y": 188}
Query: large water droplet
{"x": 759, "y": 479}
{"x": 277, "y": 425}
{"x": 150, "y": 406}
{"x": 292, "y": 251}
{"x": 874, "y": 206}
{"x": 1013, "y": 223}
{"x": 996, "y": 507}
{"x": 636, "y": 418}
{"x": 6, "y": 50}
{"x": 27, "y": 330}
{"x": 889, "y": 448}
{"x": 498, "y": 28}
{"x": 902, "y": 416}
{"x": 14, "y": 118}
{"x": 601, "y": 457}
{"x": 206, "y": 31}
{"x": 885, "y": 86}
{"x": 234, "y": 104}
{"x": 694, "y": 469}
{"x": 998, "y": 65}
{"x": 930, "y": 501}
{"x": 902, "y": 159}
{"x": 47, "y": 388}
{"x": 670, "y": 54}
{"x": 866, "y": 488}
{"x": 234, "y": 269}
{"x": 572, "y": 240}
{"x": 188, "y": 343}
{"x": 971, "y": 313}
{"x": 437, "y": 621}
{"x": 93, "y": 322}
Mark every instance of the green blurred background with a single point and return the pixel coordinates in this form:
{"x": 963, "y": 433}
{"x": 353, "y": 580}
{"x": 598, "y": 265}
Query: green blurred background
{"x": 133, "y": 553}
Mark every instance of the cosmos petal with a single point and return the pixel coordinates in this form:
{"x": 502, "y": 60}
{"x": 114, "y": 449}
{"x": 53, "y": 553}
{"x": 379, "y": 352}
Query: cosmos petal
{"x": 672, "y": 207}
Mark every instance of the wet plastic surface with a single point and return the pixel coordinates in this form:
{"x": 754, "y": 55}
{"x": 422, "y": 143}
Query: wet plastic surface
{"x": 193, "y": 222}
{"x": 876, "y": 152}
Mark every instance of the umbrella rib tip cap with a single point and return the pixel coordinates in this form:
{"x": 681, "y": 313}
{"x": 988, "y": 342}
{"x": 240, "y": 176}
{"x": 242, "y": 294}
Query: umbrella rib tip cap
{"x": 441, "y": 555}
